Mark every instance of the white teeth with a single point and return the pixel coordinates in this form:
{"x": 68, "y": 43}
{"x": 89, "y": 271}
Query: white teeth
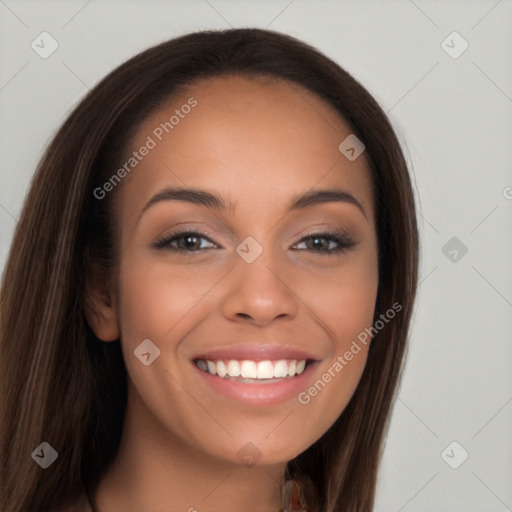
{"x": 221, "y": 369}
{"x": 247, "y": 369}
{"x": 281, "y": 369}
{"x": 265, "y": 370}
{"x": 212, "y": 367}
{"x": 233, "y": 368}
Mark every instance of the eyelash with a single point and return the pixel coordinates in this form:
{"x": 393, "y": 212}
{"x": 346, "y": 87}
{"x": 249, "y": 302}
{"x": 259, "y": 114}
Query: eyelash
{"x": 342, "y": 239}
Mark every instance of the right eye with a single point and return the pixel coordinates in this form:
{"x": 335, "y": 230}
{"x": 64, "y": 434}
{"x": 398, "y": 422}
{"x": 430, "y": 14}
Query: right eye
{"x": 190, "y": 245}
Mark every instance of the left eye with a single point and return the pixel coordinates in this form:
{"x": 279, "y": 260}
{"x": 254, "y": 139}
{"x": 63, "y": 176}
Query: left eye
{"x": 340, "y": 239}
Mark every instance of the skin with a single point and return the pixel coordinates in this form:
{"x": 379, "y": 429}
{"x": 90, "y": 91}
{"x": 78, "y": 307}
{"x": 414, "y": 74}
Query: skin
{"x": 257, "y": 143}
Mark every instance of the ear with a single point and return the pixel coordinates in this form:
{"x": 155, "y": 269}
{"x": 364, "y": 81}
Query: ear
{"x": 101, "y": 315}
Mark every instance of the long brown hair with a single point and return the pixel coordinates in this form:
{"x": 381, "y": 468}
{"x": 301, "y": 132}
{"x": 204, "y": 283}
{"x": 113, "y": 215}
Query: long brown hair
{"x": 61, "y": 385}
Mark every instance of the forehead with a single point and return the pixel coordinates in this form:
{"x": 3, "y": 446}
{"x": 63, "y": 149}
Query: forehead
{"x": 257, "y": 141}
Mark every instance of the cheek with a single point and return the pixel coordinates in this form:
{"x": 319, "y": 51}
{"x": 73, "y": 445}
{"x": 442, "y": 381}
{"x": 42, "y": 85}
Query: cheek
{"x": 344, "y": 302}
{"x": 349, "y": 309}
{"x": 155, "y": 298}
{"x": 162, "y": 304}
{"x": 344, "y": 299}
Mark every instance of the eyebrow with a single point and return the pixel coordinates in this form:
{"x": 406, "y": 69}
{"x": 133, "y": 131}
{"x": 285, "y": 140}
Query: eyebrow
{"x": 210, "y": 200}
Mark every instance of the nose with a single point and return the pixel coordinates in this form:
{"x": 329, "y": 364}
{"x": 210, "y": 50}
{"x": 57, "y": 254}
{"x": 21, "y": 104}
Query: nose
{"x": 259, "y": 292}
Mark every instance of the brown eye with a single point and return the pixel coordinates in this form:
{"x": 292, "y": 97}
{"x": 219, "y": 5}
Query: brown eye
{"x": 322, "y": 243}
{"x": 187, "y": 241}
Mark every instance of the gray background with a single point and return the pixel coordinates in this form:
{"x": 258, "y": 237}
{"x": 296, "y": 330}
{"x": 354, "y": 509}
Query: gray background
{"x": 454, "y": 118}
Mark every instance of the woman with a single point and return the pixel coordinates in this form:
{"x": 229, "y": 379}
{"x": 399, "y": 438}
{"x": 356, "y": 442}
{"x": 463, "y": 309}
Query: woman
{"x": 208, "y": 295}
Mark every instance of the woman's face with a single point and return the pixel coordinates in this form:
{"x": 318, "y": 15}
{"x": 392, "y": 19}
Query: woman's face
{"x": 252, "y": 289}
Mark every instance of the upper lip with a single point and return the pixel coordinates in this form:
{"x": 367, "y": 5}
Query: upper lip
{"x": 254, "y": 352}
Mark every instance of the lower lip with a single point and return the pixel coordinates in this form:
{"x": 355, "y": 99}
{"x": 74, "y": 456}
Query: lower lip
{"x": 255, "y": 393}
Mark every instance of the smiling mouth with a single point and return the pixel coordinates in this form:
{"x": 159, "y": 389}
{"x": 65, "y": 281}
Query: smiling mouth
{"x": 247, "y": 371}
